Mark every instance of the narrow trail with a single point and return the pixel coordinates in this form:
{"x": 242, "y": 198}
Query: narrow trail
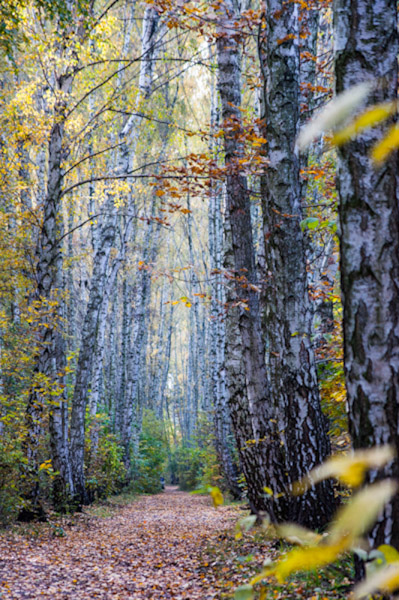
{"x": 153, "y": 548}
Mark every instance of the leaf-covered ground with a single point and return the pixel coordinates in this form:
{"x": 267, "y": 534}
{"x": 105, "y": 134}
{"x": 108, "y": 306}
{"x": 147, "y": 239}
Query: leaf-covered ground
{"x": 154, "y": 548}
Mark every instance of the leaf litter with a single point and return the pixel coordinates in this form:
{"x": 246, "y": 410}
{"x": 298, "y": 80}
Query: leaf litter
{"x": 154, "y": 548}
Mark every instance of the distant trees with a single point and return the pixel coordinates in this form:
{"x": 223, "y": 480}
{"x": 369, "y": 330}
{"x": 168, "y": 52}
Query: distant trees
{"x": 104, "y": 269}
{"x": 87, "y": 232}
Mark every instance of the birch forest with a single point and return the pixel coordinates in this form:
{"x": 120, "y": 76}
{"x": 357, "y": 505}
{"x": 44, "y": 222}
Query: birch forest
{"x": 199, "y": 292}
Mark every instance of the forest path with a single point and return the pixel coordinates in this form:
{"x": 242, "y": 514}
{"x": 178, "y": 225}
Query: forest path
{"x": 153, "y": 548}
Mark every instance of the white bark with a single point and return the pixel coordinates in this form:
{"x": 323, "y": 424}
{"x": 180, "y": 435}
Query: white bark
{"x": 106, "y": 238}
{"x": 366, "y": 49}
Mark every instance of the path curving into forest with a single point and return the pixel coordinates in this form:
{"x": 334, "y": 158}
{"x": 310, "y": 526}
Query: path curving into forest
{"x": 154, "y": 548}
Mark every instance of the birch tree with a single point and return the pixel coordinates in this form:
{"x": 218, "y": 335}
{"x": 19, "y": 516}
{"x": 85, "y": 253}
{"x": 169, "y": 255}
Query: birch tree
{"x": 276, "y": 404}
{"x": 366, "y": 49}
{"x": 264, "y": 466}
{"x": 106, "y": 238}
{"x": 51, "y": 360}
{"x": 288, "y": 312}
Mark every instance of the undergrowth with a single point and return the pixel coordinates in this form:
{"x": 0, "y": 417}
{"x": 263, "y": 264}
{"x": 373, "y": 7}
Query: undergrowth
{"x": 237, "y": 561}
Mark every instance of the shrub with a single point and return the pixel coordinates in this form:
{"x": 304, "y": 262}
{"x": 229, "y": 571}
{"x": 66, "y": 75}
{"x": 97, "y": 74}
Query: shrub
{"x": 105, "y": 471}
{"x": 11, "y": 460}
{"x": 197, "y": 466}
{"x": 149, "y": 464}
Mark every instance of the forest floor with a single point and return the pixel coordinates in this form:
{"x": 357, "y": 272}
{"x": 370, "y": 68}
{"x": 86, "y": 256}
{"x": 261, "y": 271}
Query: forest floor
{"x": 155, "y": 547}
{"x": 172, "y": 545}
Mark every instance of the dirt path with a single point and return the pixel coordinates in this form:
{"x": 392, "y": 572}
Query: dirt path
{"x": 152, "y": 549}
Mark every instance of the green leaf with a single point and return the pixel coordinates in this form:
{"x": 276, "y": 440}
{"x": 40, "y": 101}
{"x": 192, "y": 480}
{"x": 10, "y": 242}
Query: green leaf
{"x": 244, "y": 592}
{"x": 332, "y": 225}
{"x": 313, "y": 222}
{"x": 310, "y": 223}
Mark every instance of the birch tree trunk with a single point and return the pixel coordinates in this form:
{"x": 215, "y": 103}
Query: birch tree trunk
{"x": 105, "y": 241}
{"x": 49, "y": 371}
{"x": 222, "y": 377}
{"x": 194, "y": 342}
{"x": 50, "y": 364}
{"x": 366, "y": 49}
{"x": 288, "y": 311}
{"x": 125, "y": 346}
{"x": 265, "y": 465}
{"x": 87, "y": 348}
{"x": 234, "y": 370}
{"x": 113, "y": 368}
{"x": 218, "y": 389}
{"x": 166, "y": 363}
{"x": 138, "y": 342}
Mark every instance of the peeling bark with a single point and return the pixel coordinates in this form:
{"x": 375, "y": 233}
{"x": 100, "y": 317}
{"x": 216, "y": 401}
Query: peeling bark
{"x": 294, "y": 383}
{"x": 264, "y": 466}
{"x": 366, "y": 48}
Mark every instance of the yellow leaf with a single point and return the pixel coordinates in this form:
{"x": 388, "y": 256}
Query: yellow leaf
{"x": 295, "y": 534}
{"x": 385, "y": 580}
{"x": 349, "y": 469}
{"x": 389, "y": 143}
{"x": 217, "y": 496}
{"x": 356, "y": 517}
{"x": 46, "y": 466}
{"x": 369, "y": 118}
{"x": 307, "y": 559}
{"x": 390, "y": 553}
{"x": 160, "y": 193}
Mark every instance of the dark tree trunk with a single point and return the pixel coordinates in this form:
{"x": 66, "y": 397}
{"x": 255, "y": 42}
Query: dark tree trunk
{"x": 236, "y": 391}
{"x": 288, "y": 312}
{"x": 264, "y": 466}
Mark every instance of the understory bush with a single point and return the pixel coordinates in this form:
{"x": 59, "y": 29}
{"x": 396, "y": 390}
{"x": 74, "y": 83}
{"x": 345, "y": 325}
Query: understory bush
{"x": 188, "y": 467}
{"x": 196, "y": 466}
{"x": 105, "y": 471}
{"x": 11, "y": 461}
{"x": 149, "y": 464}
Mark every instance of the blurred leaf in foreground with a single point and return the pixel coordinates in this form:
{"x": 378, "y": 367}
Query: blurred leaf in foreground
{"x": 349, "y": 469}
{"x": 334, "y": 113}
{"x": 370, "y": 117}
